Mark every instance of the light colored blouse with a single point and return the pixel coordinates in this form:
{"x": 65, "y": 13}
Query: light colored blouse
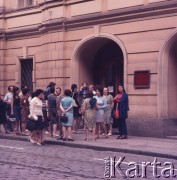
{"x": 101, "y": 101}
{"x": 8, "y": 97}
{"x": 36, "y": 107}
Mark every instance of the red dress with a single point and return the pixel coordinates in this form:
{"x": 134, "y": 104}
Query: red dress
{"x": 118, "y": 98}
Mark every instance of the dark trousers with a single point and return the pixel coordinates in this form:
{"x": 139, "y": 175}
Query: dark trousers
{"x": 46, "y": 119}
{"x": 122, "y": 127}
{"x": 60, "y": 127}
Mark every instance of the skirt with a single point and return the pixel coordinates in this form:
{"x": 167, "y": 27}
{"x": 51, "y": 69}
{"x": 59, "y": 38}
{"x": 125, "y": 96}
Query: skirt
{"x": 108, "y": 118}
{"x": 17, "y": 113}
{"x": 39, "y": 125}
{"x": 70, "y": 119}
{"x": 89, "y": 119}
{"x": 100, "y": 118}
{"x": 76, "y": 113}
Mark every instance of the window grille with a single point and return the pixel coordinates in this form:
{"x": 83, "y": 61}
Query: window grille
{"x": 26, "y": 73}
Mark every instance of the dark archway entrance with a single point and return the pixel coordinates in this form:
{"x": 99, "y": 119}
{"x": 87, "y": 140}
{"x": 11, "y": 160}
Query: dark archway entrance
{"x": 108, "y": 67}
{"x": 172, "y": 81}
{"x": 101, "y": 62}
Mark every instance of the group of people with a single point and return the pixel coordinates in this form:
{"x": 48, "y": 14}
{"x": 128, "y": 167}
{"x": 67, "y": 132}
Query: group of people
{"x": 42, "y": 112}
{"x": 98, "y": 109}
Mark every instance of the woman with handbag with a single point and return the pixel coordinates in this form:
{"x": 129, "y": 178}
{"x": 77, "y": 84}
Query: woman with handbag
{"x": 121, "y": 108}
{"x": 36, "y": 115}
{"x": 66, "y": 106}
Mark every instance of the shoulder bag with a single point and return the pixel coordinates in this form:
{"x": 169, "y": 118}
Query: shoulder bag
{"x": 64, "y": 118}
{"x": 116, "y": 112}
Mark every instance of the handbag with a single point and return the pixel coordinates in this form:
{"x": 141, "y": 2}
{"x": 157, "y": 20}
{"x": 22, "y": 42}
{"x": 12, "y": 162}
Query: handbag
{"x": 75, "y": 105}
{"x": 116, "y": 112}
{"x": 30, "y": 125}
{"x": 33, "y": 117}
{"x": 64, "y": 118}
{"x": 12, "y": 118}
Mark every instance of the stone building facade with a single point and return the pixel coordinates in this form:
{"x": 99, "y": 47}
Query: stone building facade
{"x": 105, "y": 42}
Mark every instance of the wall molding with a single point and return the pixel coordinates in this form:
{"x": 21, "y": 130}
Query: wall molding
{"x": 155, "y": 10}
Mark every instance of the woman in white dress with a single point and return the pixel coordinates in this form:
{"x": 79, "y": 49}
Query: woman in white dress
{"x": 36, "y": 115}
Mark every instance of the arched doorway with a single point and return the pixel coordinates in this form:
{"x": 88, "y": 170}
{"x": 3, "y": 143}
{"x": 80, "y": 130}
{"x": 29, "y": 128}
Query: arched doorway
{"x": 99, "y": 60}
{"x": 168, "y": 78}
{"x": 168, "y": 84}
{"x": 108, "y": 66}
{"x": 172, "y": 81}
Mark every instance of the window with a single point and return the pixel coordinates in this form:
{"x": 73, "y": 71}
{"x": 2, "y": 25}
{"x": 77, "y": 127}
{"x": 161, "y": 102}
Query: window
{"x": 27, "y": 73}
{"x": 29, "y": 2}
{"x": 24, "y": 3}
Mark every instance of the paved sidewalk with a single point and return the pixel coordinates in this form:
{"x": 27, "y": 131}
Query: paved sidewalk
{"x": 156, "y": 147}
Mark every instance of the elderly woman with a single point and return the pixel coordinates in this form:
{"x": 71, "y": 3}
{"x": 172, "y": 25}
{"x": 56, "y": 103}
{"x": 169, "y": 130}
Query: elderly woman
{"x": 108, "y": 109}
{"x": 66, "y": 106}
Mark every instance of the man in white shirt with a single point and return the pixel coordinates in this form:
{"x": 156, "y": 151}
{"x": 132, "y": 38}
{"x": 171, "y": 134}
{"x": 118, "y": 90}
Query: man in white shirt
{"x": 9, "y": 95}
{"x": 7, "y": 99}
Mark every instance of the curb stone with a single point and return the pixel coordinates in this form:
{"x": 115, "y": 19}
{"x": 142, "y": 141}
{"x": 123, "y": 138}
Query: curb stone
{"x": 94, "y": 147}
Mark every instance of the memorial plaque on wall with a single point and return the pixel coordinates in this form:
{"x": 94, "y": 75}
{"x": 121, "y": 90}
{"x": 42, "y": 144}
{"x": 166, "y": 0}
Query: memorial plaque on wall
{"x": 142, "y": 79}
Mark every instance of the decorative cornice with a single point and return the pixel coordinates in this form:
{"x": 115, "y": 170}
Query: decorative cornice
{"x": 115, "y": 16}
{"x": 40, "y": 7}
{"x": 126, "y": 14}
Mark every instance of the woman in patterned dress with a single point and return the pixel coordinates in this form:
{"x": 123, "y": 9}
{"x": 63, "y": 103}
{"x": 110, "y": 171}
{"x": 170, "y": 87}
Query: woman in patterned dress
{"x": 89, "y": 111}
{"x": 108, "y": 109}
{"x": 24, "y": 104}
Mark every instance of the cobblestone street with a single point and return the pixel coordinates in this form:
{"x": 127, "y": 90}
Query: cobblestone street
{"x": 47, "y": 162}
{"x": 23, "y": 160}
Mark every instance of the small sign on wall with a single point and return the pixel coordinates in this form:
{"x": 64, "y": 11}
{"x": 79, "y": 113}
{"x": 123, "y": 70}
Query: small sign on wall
{"x": 111, "y": 89}
{"x": 142, "y": 79}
